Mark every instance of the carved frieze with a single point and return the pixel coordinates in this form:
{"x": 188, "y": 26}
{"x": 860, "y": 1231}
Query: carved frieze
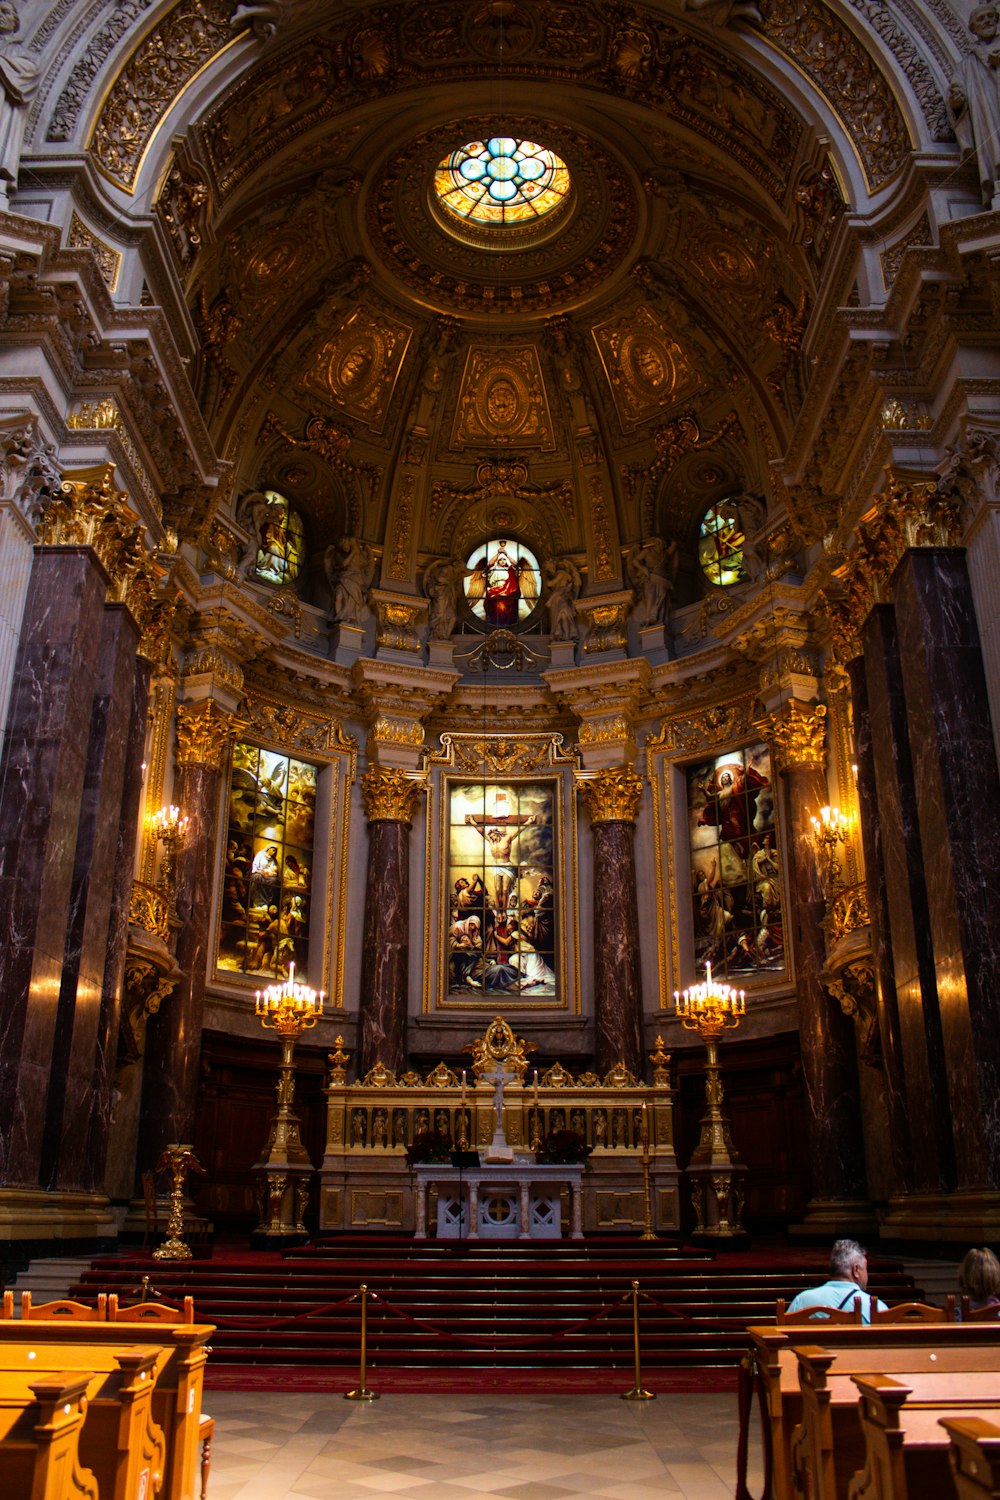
{"x": 357, "y": 366}
{"x": 502, "y": 755}
{"x": 268, "y": 721}
{"x": 502, "y": 399}
{"x": 109, "y": 260}
{"x": 646, "y": 367}
{"x": 718, "y": 724}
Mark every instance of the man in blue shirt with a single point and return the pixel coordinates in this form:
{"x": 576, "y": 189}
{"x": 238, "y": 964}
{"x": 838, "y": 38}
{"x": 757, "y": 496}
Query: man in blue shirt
{"x": 848, "y": 1279}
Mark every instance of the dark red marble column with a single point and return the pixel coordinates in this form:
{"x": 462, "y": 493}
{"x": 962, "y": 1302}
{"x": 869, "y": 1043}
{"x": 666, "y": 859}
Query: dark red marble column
{"x": 901, "y": 861}
{"x": 900, "y": 1151}
{"x": 826, "y": 1035}
{"x": 612, "y": 799}
{"x": 41, "y": 782}
{"x": 958, "y": 805}
{"x": 65, "y": 1163}
{"x": 173, "y": 1038}
{"x": 389, "y": 796}
{"x": 117, "y": 935}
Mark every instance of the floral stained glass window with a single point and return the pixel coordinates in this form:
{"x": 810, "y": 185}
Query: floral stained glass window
{"x": 501, "y": 891}
{"x": 720, "y": 545}
{"x": 282, "y": 542}
{"x": 267, "y": 882}
{"x": 502, "y": 583}
{"x": 735, "y": 866}
{"x": 501, "y": 182}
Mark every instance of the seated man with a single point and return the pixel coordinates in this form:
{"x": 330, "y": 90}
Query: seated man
{"x": 848, "y": 1279}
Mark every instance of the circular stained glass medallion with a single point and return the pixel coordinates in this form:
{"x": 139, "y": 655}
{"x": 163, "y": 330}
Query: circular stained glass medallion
{"x": 502, "y": 182}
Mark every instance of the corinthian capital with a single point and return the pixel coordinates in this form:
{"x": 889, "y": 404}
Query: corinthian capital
{"x": 390, "y": 795}
{"x": 797, "y": 733}
{"x": 203, "y": 734}
{"x": 611, "y": 795}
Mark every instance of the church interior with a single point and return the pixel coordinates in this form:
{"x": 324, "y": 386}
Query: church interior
{"x": 499, "y": 624}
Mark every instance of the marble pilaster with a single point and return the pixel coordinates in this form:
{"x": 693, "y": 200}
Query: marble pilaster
{"x": 79, "y": 1022}
{"x": 958, "y": 805}
{"x": 390, "y": 795}
{"x": 173, "y": 1039}
{"x": 44, "y": 761}
{"x": 826, "y": 1035}
{"x": 887, "y": 1007}
{"x": 612, "y": 800}
{"x": 900, "y": 862}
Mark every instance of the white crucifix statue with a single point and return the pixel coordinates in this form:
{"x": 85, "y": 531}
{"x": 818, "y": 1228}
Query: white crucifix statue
{"x": 499, "y": 1150}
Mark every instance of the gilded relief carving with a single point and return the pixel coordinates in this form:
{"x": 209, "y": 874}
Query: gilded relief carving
{"x": 502, "y": 399}
{"x": 646, "y": 368}
{"x": 502, "y": 755}
{"x": 840, "y": 67}
{"x": 108, "y": 260}
{"x": 157, "y": 71}
{"x": 358, "y": 365}
{"x": 268, "y": 721}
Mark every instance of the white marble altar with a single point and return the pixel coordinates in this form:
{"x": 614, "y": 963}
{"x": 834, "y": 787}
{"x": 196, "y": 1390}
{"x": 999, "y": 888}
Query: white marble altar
{"x": 535, "y": 1188}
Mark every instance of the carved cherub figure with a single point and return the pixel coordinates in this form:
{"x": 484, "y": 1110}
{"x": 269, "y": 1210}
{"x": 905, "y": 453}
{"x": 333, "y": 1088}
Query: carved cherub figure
{"x": 350, "y": 568}
{"x": 652, "y": 569}
{"x": 563, "y": 583}
{"x": 441, "y": 580}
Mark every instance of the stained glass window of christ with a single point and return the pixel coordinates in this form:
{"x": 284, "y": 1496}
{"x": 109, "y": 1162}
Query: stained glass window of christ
{"x": 501, "y": 938}
{"x": 735, "y": 865}
{"x": 502, "y": 583}
{"x": 267, "y": 878}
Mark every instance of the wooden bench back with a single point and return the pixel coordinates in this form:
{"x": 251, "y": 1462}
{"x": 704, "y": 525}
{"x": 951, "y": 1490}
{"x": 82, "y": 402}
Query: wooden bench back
{"x": 149, "y": 1312}
{"x": 819, "y": 1312}
{"x": 39, "y": 1439}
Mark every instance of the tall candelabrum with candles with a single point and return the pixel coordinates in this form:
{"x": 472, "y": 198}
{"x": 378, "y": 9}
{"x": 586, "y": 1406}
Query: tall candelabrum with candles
{"x": 288, "y": 1009}
{"x": 717, "y": 1176}
{"x": 169, "y": 826}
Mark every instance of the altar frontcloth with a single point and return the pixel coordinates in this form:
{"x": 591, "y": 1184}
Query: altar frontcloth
{"x": 530, "y": 1191}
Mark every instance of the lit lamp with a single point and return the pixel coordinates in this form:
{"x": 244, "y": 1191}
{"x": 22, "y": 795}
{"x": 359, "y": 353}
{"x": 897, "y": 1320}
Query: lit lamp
{"x": 830, "y": 830}
{"x": 170, "y": 827}
{"x": 289, "y": 1009}
{"x": 717, "y": 1174}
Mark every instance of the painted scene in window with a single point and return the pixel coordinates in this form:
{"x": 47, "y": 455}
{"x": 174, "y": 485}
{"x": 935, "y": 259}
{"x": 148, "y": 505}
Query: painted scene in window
{"x": 267, "y": 878}
{"x": 721, "y": 541}
{"x": 735, "y": 868}
{"x": 282, "y": 543}
{"x": 502, "y": 583}
{"x": 502, "y": 924}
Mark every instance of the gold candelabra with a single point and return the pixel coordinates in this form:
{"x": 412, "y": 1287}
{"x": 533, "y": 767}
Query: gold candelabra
{"x": 830, "y": 830}
{"x": 170, "y": 826}
{"x": 648, "y": 1232}
{"x": 289, "y": 1009}
{"x": 178, "y": 1161}
{"x": 710, "y": 1009}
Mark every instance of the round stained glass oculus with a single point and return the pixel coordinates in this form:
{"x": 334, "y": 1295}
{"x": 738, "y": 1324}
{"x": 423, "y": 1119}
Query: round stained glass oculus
{"x": 501, "y": 182}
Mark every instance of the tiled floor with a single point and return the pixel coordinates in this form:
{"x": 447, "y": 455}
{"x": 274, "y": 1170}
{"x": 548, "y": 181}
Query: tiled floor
{"x": 276, "y": 1446}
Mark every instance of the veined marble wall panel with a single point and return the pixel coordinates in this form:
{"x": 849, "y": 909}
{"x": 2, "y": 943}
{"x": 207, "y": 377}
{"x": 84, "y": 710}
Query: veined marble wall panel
{"x": 983, "y": 558}
{"x": 16, "y": 551}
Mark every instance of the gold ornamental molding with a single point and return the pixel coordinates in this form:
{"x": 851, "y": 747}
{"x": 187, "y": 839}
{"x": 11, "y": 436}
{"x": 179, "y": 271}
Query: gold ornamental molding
{"x": 390, "y": 795}
{"x": 204, "y": 732}
{"x": 502, "y": 754}
{"x": 109, "y": 260}
{"x": 612, "y": 795}
{"x": 502, "y": 399}
{"x": 105, "y": 416}
{"x": 155, "y": 75}
{"x": 797, "y": 734}
{"x": 905, "y": 515}
{"x": 358, "y": 365}
{"x": 645, "y": 366}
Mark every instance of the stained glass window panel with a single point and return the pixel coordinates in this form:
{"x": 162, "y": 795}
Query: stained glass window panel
{"x": 267, "y": 880}
{"x": 720, "y": 545}
{"x": 737, "y": 896}
{"x": 502, "y": 581}
{"x": 501, "y": 887}
{"x": 282, "y": 542}
{"x": 501, "y": 181}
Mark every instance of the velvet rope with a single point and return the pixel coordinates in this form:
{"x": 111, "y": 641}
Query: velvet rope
{"x": 492, "y": 1340}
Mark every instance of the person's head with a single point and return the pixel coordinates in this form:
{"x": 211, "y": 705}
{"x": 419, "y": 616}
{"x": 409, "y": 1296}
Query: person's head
{"x": 849, "y": 1262}
{"x": 979, "y": 1275}
{"x": 461, "y": 884}
{"x": 983, "y": 22}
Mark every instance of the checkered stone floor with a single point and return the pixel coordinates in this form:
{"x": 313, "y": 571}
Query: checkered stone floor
{"x": 320, "y": 1447}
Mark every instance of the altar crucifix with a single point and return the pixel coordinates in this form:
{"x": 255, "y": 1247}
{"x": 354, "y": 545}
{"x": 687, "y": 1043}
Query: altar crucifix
{"x": 499, "y": 1150}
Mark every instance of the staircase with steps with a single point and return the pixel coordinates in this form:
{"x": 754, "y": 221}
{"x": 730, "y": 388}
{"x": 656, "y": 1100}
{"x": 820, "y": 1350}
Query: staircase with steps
{"x": 521, "y": 1306}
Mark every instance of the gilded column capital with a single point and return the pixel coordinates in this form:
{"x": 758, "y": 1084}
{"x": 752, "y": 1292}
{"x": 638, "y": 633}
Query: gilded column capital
{"x": 204, "y": 731}
{"x": 797, "y": 733}
{"x": 88, "y": 510}
{"x": 612, "y": 795}
{"x": 390, "y": 795}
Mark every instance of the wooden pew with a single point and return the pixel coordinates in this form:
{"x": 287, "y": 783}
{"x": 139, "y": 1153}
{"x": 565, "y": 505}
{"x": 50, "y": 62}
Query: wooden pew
{"x": 149, "y": 1312}
{"x": 907, "y": 1446}
{"x": 828, "y": 1447}
{"x": 182, "y": 1349}
{"x": 974, "y": 1457}
{"x": 773, "y": 1357}
{"x": 119, "y": 1443}
{"x": 65, "y": 1309}
{"x": 40, "y": 1436}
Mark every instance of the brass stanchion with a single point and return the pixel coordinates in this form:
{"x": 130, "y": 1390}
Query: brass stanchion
{"x": 648, "y": 1232}
{"x": 361, "y": 1391}
{"x": 637, "y": 1393}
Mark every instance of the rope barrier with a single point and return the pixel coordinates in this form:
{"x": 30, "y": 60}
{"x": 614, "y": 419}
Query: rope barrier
{"x": 492, "y": 1340}
{"x": 317, "y": 1310}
